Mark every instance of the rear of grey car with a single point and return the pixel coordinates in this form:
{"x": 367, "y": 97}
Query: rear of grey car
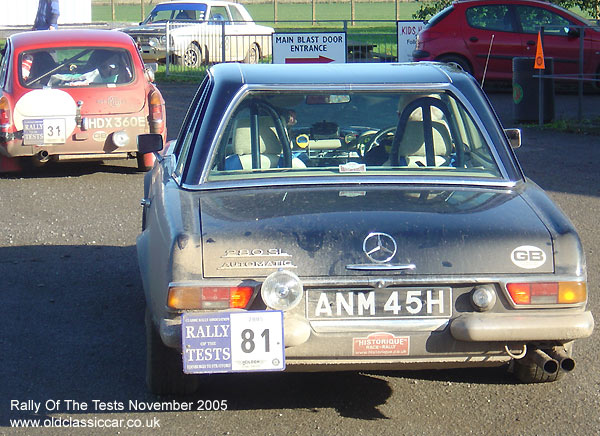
{"x": 352, "y": 218}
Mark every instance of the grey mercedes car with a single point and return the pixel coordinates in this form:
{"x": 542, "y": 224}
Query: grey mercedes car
{"x": 351, "y": 217}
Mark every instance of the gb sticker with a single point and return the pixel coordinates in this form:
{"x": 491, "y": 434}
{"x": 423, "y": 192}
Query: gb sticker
{"x": 528, "y": 257}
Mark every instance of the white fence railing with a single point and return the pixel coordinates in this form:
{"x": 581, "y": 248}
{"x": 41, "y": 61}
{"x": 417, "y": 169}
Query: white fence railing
{"x": 194, "y": 45}
{"x": 191, "y": 46}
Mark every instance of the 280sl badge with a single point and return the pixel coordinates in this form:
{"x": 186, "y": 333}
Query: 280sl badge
{"x": 257, "y": 264}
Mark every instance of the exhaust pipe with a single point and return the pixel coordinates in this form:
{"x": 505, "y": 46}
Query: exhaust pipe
{"x": 43, "y": 156}
{"x": 40, "y": 159}
{"x": 566, "y": 362}
{"x": 544, "y": 361}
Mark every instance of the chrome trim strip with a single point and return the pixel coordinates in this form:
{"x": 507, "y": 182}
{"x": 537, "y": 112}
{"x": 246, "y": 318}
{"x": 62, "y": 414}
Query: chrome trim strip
{"x": 343, "y": 180}
{"x": 403, "y": 280}
{"x": 380, "y": 267}
{"x": 379, "y": 325}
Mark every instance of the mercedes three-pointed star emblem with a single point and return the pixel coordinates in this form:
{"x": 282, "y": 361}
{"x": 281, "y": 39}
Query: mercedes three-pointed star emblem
{"x": 379, "y": 247}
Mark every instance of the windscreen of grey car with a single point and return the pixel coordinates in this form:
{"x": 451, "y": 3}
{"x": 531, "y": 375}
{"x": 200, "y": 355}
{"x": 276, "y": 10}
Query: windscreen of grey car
{"x": 177, "y": 12}
{"x": 275, "y": 134}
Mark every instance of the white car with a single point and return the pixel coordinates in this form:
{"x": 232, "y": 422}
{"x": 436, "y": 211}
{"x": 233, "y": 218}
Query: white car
{"x": 198, "y": 32}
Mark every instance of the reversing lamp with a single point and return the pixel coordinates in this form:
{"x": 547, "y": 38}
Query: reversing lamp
{"x": 120, "y": 138}
{"x": 282, "y": 290}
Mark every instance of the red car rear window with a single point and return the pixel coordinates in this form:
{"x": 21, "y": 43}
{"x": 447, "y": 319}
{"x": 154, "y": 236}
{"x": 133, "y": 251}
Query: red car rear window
{"x": 69, "y": 67}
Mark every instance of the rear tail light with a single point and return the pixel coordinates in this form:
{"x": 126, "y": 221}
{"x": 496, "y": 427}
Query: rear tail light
{"x": 547, "y": 293}
{"x": 210, "y": 297}
{"x": 5, "y": 115}
{"x": 157, "y": 121}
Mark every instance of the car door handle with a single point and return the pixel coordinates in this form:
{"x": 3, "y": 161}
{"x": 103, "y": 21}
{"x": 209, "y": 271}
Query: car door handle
{"x": 473, "y": 39}
{"x": 530, "y": 42}
{"x": 146, "y": 202}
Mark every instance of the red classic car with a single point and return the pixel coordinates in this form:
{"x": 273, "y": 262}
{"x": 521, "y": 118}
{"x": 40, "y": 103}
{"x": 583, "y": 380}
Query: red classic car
{"x": 75, "y": 95}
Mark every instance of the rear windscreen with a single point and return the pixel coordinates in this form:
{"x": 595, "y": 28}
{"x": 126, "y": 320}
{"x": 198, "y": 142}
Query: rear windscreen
{"x": 75, "y": 67}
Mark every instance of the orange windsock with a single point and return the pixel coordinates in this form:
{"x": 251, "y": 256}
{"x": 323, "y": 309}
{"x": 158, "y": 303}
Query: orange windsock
{"x": 539, "y": 54}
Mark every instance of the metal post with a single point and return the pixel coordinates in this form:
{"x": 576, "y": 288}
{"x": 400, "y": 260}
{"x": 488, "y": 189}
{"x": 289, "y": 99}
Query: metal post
{"x": 112, "y": 7}
{"x": 223, "y": 41}
{"x": 168, "y": 54}
{"x": 314, "y": 12}
{"x": 541, "y": 86}
{"x": 274, "y": 11}
{"x": 580, "y": 81}
{"x": 142, "y": 10}
{"x": 352, "y": 15}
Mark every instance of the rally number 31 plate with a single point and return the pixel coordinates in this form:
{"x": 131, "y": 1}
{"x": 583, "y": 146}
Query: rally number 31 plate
{"x": 44, "y": 131}
{"x": 233, "y": 342}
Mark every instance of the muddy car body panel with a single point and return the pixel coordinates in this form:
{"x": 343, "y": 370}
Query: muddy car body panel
{"x": 341, "y": 198}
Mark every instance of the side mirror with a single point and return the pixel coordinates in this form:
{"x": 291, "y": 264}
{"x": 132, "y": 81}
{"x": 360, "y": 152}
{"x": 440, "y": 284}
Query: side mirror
{"x": 514, "y": 137}
{"x": 149, "y": 70}
{"x": 150, "y": 143}
{"x": 573, "y": 32}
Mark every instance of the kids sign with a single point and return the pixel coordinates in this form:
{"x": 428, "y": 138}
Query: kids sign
{"x": 407, "y": 38}
{"x": 309, "y": 48}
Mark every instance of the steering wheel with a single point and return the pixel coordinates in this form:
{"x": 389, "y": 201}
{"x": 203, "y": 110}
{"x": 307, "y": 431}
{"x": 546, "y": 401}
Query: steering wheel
{"x": 374, "y": 141}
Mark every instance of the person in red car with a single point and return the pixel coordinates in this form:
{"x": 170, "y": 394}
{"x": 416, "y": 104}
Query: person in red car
{"x": 110, "y": 68}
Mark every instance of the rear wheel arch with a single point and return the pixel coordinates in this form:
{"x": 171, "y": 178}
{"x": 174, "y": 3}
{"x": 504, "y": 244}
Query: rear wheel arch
{"x": 460, "y": 60}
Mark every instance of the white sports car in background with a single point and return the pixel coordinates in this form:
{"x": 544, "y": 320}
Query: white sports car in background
{"x": 199, "y": 32}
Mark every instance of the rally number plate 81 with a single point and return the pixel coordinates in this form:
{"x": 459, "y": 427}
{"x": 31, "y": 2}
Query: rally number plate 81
{"x": 233, "y": 342}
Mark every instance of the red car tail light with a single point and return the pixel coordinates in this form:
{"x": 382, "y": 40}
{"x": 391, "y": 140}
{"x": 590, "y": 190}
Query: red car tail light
{"x": 547, "y": 293}
{"x": 211, "y": 297}
{"x": 157, "y": 121}
{"x": 5, "y": 115}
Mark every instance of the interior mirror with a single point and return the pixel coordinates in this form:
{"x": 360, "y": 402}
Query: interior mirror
{"x": 150, "y": 143}
{"x": 514, "y": 137}
{"x": 327, "y": 99}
